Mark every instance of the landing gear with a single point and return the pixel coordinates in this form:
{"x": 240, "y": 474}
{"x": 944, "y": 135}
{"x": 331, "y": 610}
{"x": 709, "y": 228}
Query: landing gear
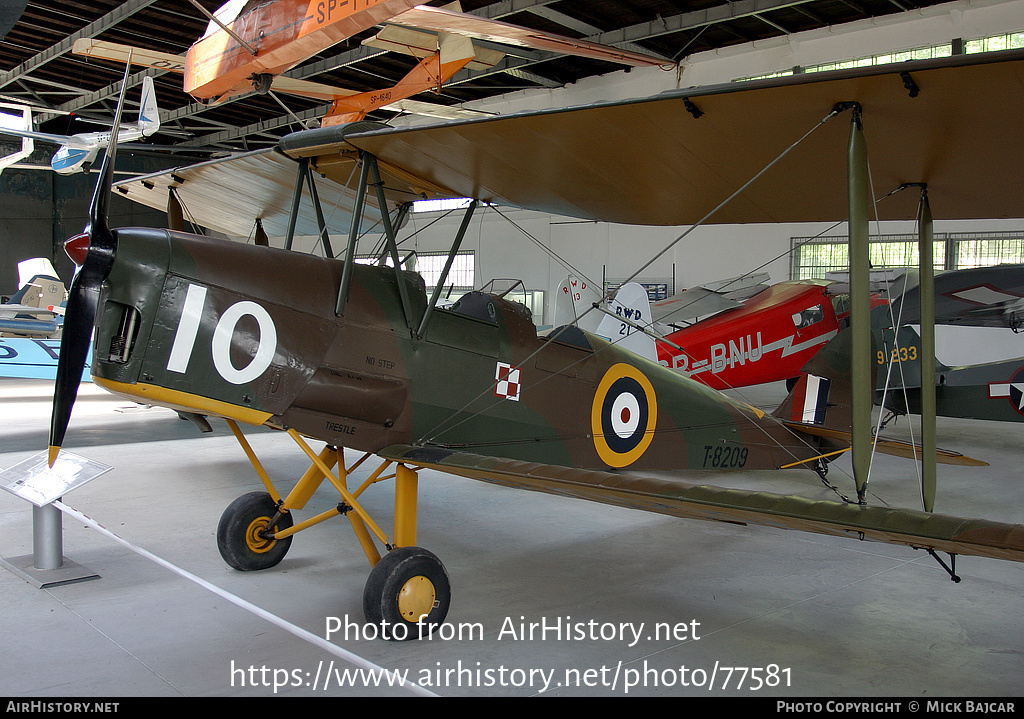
{"x": 261, "y": 82}
{"x": 242, "y": 533}
{"x": 407, "y": 594}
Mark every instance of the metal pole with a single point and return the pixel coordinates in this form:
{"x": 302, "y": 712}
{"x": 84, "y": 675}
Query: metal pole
{"x": 927, "y": 294}
{"x": 47, "y": 537}
{"x": 859, "y": 198}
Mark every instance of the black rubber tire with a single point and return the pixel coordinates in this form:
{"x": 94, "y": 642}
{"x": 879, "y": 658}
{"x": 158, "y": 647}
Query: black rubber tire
{"x": 236, "y": 540}
{"x": 384, "y": 585}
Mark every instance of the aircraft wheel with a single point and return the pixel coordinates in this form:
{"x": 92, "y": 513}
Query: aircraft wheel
{"x": 406, "y": 584}
{"x": 261, "y": 82}
{"x": 239, "y": 533}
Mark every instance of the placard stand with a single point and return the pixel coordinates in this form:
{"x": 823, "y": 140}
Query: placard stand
{"x": 35, "y": 481}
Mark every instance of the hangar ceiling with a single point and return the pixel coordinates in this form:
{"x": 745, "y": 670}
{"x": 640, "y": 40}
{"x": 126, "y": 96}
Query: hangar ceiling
{"x": 38, "y": 67}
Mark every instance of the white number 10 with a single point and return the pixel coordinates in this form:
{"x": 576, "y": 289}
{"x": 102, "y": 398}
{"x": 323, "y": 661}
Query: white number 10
{"x": 188, "y": 328}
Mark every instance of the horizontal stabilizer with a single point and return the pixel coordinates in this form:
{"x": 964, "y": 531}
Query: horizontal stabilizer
{"x": 421, "y": 44}
{"x": 120, "y": 53}
{"x": 894, "y": 447}
{"x": 913, "y": 528}
{"x": 437, "y": 19}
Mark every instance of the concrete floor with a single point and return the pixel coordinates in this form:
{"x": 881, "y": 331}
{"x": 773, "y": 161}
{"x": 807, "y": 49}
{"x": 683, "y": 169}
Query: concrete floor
{"x": 814, "y": 616}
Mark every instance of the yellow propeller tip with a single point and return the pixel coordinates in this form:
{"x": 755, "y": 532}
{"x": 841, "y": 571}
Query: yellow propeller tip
{"x": 53, "y": 454}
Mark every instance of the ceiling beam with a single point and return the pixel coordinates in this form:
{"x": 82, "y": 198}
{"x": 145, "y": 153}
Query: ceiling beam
{"x": 112, "y": 18}
{"x": 656, "y": 28}
{"x": 511, "y": 65}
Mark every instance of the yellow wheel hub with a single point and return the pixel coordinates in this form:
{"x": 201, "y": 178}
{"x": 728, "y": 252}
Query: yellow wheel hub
{"x": 416, "y": 598}
{"x": 253, "y": 539}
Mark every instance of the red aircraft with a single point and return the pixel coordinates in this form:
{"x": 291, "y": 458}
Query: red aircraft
{"x": 768, "y": 337}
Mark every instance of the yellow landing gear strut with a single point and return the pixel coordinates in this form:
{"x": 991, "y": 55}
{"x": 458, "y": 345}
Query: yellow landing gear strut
{"x": 407, "y": 593}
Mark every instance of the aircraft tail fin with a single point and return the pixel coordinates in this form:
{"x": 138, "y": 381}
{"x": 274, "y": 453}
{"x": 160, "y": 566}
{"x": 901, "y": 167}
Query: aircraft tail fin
{"x": 149, "y": 113}
{"x": 573, "y": 298}
{"x": 620, "y": 320}
{"x": 632, "y": 308}
{"x": 898, "y": 358}
{"x": 822, "y": 398}
{"x": 821, "y": 405}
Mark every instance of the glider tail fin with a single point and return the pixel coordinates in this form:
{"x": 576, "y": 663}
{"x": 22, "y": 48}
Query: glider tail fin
{"x": 149, "y": 113}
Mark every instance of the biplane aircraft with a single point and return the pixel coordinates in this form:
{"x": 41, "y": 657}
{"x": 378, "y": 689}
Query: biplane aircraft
{"x": 369, "y": 362}
{"x": 78, "y": 152}
{"x": 248, "y": 46}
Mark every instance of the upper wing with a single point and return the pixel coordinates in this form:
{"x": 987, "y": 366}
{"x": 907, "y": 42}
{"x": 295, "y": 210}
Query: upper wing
{"x": 708, "y": 298}
{"x": 120, "y": 53}
{"x": 681, "y": 499}
{"x": 45, "y": 136}
{"x": 281, "y": 83}
{"x": 209, "y": 194}
{"x": 652, "y": 162}
{"x": 977, "y": 297}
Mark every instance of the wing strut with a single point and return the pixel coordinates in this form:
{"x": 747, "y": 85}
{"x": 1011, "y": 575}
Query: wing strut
{"x": 950, "y": 568}
{"x": 390, "y": 237}
{"x": 859, "y": 199}
{"x": 927, "y": 285}
{"x": 447, "y": 268}
{"x": 302, "y": 176}
{"x": 353, "y": 236}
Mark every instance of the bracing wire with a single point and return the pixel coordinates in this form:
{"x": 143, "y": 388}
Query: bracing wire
{"x": 431, "y": 435}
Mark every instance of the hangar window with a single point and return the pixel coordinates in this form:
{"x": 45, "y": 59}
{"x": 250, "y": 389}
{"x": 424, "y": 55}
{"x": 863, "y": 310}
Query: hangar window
{"x": 992, "y": 43}
{"x": 462, "y": 276}
{"x": 917, "y": 53}
{"x": 812, "y": 257}
{"x": 1009, "y": 41}
{"x": 458, "y": 203}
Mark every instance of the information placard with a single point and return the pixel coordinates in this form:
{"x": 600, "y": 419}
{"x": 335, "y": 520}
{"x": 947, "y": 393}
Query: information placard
{"x": 34, "y": 480}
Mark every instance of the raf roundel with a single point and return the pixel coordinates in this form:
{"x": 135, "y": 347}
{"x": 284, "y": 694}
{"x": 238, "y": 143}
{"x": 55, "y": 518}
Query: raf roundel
{"x": 623, "y": 416}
